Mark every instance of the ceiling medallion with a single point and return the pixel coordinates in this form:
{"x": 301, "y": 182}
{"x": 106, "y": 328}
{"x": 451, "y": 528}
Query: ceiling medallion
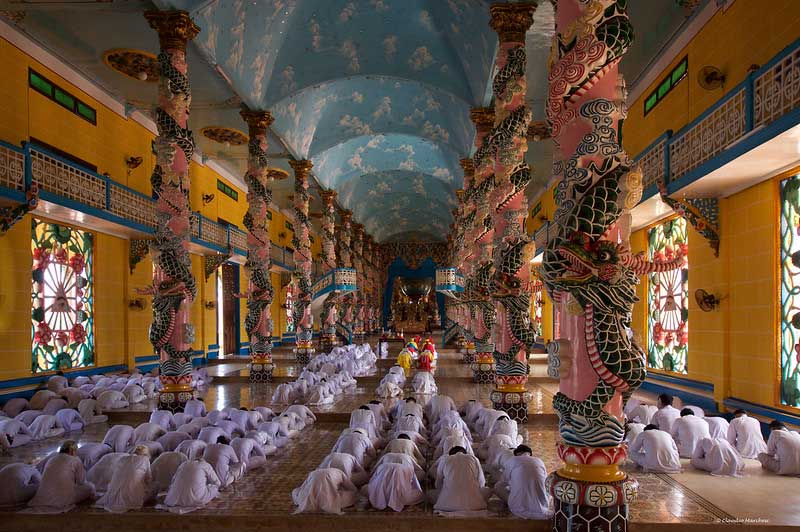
{"x": 278, "y": 174}
{"x": 136, "y": 64}
{"x": 224, "y": 135}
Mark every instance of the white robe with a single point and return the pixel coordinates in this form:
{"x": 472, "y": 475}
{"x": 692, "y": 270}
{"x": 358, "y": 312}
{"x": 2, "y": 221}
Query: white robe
{"x": 634, "y": 429}
{"x": 164, "y": 467}
{"x": 134, "y": 394}
{"x": 461, "y": 484}
{"x": 147, "y": 432}
{"x": 63, "y": 485}
{"x": 687, "y": 432}
{"x": 394, "y": 486}
{"x": 225, "y": 463}
{"x": 438, "y": 405}
{"x": 91, "y": 453}
{"x": 70, "y": 420}
{"x": 365, "y": 419}
{"x": 45, "y": 426}
{"x": 164, "y": 418}
{"x": 643, "y": 414}
{"x": 744, "y": 433}
{"x": 57, "y": 383}
{"x": 100, "y": 473}
{"x": 15, "y": 432}
{"x": 54, "y": 405}
{"x": 424, "y": 383}
{"x": 88, "y": 411}
{"x": 194, "y": 485}
{"x": 74, "y": 396}
{"x": 130, "y": 487}
{"x": 171, "y": 440}
{"x": 717, "y": 426}
{"x": 348, "y": 464}
{"x": 406, "y": 447}
{"x": 400, "y": 458}
{"x": 783, "y": 453}
{"x": 41, "y": 398}
{"x": 718, "y": 457}
{"x": 655, "y": 451}
{"x": 111, "y": 400}
{"x": 356, "y": 444}
{"x": 194, "y": 408}
{"x": 303, "y": 412}
{"x": 15, "y": 406}
{"x": 665, "y": 417}
{"x": 193, "y": 449}
{"x": 20, "y": 482}
{"x": 325, "y": 490}
{"x": 249, "y": 452}
{"x": 522, "y": 487}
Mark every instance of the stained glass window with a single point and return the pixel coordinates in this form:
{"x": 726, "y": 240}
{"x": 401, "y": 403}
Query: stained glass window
{"x": 537, "y": 300}
{"x": 790, "y": 291}
{"x": 668, "y": 299}
{"x": 62, "y": 331}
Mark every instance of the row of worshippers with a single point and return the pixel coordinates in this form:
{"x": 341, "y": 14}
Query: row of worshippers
{"x": 327, "y": 376}
{"x": 393, "y": 383}
{"x": 659, "y": 436}
{"x": 65, "y": 407}
{"x": 187, "y": 457}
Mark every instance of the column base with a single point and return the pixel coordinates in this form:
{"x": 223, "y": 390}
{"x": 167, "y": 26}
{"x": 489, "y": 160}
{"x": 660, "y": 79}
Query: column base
{"x": 174, "y": 400}
{"x": 261, "y": 372}
{"x": 483, "y": 368}
{"x": 468, "y": 355}
{"x": 327, "y": 343}
{"x": 515, "y": 403}
{"x": 597, "y": 506}
{"x": 359, "y": 338}
{"x": 303, "y": 354}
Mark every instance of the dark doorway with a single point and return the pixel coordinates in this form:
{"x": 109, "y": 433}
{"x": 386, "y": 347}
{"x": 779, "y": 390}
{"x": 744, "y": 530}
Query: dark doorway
{"x": 228, "y": 310}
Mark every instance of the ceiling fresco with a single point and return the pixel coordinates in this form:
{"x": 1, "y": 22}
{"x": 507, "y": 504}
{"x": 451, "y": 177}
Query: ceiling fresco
{"x": 375, "y": 92}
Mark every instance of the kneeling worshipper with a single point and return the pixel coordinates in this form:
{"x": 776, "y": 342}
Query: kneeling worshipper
{"x": 90, "y": 412}
{"x": 119, "y": 437}
{"x": 356, "y": 443}
{"x": 655, "y": 451}
{"x": 20, "y": 482}
{"x": 687, "y": 431}
{"x": 666, "y": 413}
{"x": 783, "y": 450}
{"x": 250, "y": 453}
{"x": 631, "y": 431}
{"x": 303, "y": 412}
{"x": 717, "y": 426}
{"x": 404, "y": 445}
{"x": 642, "y": 414}
{"x": 223, "y": 459}
{"x": 14, "y": 433}
{"x": 348, "y": 464}
{"x": 195, "y": 408}
{"x": 408, "y": 406}
{"x": 70, "y": 420}
{"x": 131, "y": 484}
{"x": 400, "y": 458}
{"x": 194, "y": 485}
{"x": 460, "y": 485}
{"x": 424, "y": 383}
{"x": 744, "y": 433}
{"x": 111, "y": 399}
{"x": 45, "y": 426}
{"x": 192, "y": 449}
{"x": 363, "y": 418}
{"x": 63, "y": 483}
{"x": 718, "y": 457}
{"x": 164, "y": 467}
{"x": 100, "y": 473}
{"x": 173, "y": 438}
{"x": 325, "y": 490}
{"x": 395, "y": 486}
{"x": 522, "y": 485}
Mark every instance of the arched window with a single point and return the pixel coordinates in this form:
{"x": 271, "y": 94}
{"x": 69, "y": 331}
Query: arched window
{"x": 62, "y": 331}
{"x": 790, "y": 291}
{"x": 668, "y": 299}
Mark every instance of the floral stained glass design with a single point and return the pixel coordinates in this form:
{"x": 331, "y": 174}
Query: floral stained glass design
{"x": 790, "y": 291}
{"x": 62, "y": 330}
{"x": 668, "y": 299}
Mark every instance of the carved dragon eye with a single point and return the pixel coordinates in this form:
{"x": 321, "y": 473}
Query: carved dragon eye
{"x": 604, "y": 255}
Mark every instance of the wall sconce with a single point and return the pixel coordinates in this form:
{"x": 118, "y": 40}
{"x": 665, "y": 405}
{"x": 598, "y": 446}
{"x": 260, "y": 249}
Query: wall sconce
{"x": 132, "y": 163}
{"x": 210, "y": 305}
{"x": 710, "y": 78}
{"x": 137, "y": 303}
{"x": 208, "y": 198}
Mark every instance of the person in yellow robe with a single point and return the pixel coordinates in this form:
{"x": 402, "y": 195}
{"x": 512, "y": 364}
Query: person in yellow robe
{"x": 405, "y": 360}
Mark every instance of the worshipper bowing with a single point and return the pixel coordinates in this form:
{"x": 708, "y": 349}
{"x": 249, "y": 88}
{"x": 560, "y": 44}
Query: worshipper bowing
{"x": 394, "y": 485}
{"x": 522, "y": 485}
{"x": 63, "y": 483}
{"x": 655, "y": 451}
{"x": 20, "y": 483}
{"x": 194, "y": 485}
{"x": 718, "y": 457}
{"x": 687, "y": 431}
{"x": 783, "y": 450}
{"x": 131, "y": 484}
{"x": 744, "y": 433}
{"x": 460, "y": 486}
{"x": 666, "y": 414}
{"x": 325, "y": 490}
{"x": 223, "y": 459}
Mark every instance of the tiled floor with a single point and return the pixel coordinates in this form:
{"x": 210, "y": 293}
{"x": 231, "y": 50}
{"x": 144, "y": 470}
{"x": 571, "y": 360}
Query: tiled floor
{"x": 688, "y": 498}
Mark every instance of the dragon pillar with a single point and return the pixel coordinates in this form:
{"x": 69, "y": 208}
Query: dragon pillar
{"x": 358, "y": 295}
{"x": 345, "y": 261}
{"x": 260, "y": 292}
{"x": 304, "y": 346}
{"x": 328, "y": 325}
{"x": 174, "y": 287}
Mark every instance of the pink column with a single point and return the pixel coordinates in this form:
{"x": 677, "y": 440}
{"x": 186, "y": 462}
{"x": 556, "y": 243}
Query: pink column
{"x": 304, "y": 346}
{"x": 328, "y": 333}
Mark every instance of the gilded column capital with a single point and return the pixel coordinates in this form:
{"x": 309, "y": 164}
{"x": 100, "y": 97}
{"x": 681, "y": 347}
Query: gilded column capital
{"x": 482, "y": 117}
{"x": 512, "y": 21}
{"x": 174, "y": 28}
{"x": 301, "y": 168}
{"x": 257, "y": 121}
{"x": 346, "y": 216}
{"x": 327, "y": 197}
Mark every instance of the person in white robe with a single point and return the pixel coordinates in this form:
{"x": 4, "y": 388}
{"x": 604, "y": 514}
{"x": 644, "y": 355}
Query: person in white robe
{"x": 41, "y": 398}
{"x": 57, "y": 383}
{"x": 363, "y": 418}
{"x": 74, "y": 396}
{"x": 454, "y": 438}
{"x": 699, "y": 412}
{"x": 277, "y": 433}
{"x": 666, "y": 414}
{"x": 223, "y": 459}
{"x": 522, "y": 485}
{"x": 460, "y": 486}
{"x": 20, "y": 482}
{"x": 70, "y": 420}
{"x": 401, "y": 458}
{"x": 349, "y": 465}
{"x": 642, "y": 414}
{"x": 215, "y": 416}
{"x": 164, "y": 467}
{"x": 718, "y": 457}
{"x": 380, "y": 413}
{"x": 394, "y": 486}
{"x": 90, "y": 413}
{"x": 194, "y": 485}
{"x": 147, "y": 432}
{"x": 54, "y": 405}
{"x": 101, "y": 472}
{"x": 284, "y": 394}
{"x": 211, "y": 434}
{"x": 403, "y": 444}
{"x": 170, "y": 440}
{"x": 631, "y": 431}
{"x": 438, "y": 405}
{"x": 291, "y": 422}
{"x": 14, "y": 433}
{"x": 249, "y": 453}
{"x": 303, "y": 412}
{"x": 744, "y": 433}
{"x": 325, "y": 490}
{"x": 263, "y": 439}
{"x": 111, "y": 400}
{"x": 181, "y": 418}
{"x": 189, "y": 428}
{"x": 490, "y": 450}
{"x": 90, "y": 453}
{"x": 165, "y": 419}
{"x": 266, "y": 413}
{"x": 356, "y": 443}
{"x": 408, "y": 406}
{"x": 134, "y": 394}
{"x": 243, "y": 419}
{"x": 388, "y": 390}
{"x": 45, "y": 426}
{"x": 687, "y": 431}
{"x": 15, "y": 405}
{"x": 28, "y": 416}
{"x": 717, "y": 426}
{"x": 505, "y": 425}
{"x": 131, "y": 484}
{"x": 231, "y": 428}
{"x": 195, "y": 408}
{"x": 424, "y": 383}
{"x": 655, "y": 451}
{"x": 470, "y": 411}
{"x": 410, "y": 422}
{"x": 63, "y": 483}
{"x": 193, "y": 449}
{"x": 783, "y": 451}
{"x": 486, "y": 419}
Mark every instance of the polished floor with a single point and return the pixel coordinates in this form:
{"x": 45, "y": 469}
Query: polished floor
{"x": 263, "y": 497}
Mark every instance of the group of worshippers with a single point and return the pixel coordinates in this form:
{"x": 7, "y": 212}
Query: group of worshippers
{"x": 327, "y": 376}
{"x": 423, "y": 382}
{"x": 386, "y": 458}
{"x": 660, "y": 435}
{"x": 412, "y": 356}
{"x": 63, "y": 407}
{"x": 184, "y": 459}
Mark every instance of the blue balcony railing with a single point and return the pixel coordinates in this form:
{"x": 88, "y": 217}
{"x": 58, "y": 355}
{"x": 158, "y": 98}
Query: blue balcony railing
{"x": 765, "y": 104}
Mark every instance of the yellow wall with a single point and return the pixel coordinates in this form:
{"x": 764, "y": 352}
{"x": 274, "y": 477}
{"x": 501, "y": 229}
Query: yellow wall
{"x": 532, "y": 224}
{"x": 121, "y": 334}
{"x": 748, "y": 32}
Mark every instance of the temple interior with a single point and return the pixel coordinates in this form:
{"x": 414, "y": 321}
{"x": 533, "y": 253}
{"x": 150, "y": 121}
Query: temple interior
{"x": 412, "y": 264}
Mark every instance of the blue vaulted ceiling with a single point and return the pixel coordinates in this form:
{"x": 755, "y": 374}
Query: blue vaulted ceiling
{"x": 375, "y": 92}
